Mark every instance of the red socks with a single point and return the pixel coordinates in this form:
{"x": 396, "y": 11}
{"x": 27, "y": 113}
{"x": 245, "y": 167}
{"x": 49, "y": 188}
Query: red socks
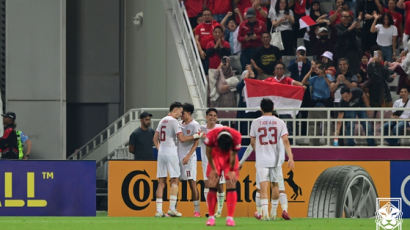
{"x": 212, "y": 201}
{"x": 231, "y": 198}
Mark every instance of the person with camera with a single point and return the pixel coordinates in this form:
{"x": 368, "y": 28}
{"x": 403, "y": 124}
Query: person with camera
{"x": 250, "y": 33}
{"x": 397, "y": 128}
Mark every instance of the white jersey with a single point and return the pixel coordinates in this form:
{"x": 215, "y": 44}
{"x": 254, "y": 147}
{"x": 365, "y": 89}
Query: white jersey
{"x": 268, "y": 131}
{"x": 168, "y": 128}
{"x": 188, "y": 130}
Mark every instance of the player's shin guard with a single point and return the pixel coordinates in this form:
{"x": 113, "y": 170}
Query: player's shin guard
{"x": 231, "y": 198}
{"x": 221, "y": 200}
{"x": 211, "y": 201}
{"x": 274, "y": 208}
{"x": 206, "y": 190}
{"x": 283, "y": 200}
{"x": 258, "y": 203}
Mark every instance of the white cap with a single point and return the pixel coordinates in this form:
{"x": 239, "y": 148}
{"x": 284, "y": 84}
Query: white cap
{"x": 321, "y": 29}
{"x": 301, "y": 48}
{"x": 328, "y": 54}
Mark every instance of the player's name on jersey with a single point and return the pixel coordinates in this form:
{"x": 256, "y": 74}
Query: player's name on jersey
{"x": 268, "y": 122}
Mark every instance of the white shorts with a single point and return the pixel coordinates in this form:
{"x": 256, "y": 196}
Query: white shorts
{"x": 272, "y": 174}
{"x": 188, "y": 171}
{"x": 168, "y": 163}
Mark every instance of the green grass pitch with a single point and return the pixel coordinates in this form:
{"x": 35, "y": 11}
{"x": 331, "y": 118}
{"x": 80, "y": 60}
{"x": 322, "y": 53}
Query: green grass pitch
{"x": 102, "y": 222}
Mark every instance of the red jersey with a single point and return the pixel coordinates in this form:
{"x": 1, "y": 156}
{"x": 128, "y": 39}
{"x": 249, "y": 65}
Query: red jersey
{"x": 220, "y": 6}
{"x": 397, "y": 18}
{"x": 339, "y": 16}
{"x": 300, "y": 7}
{"x": 242, "y": 5}
{"x": 407, "y": 22}
{"x": 215, "y": 59}
{"x": 204, "y": 30}
{"x": 194, "y": 7}
{"x": 245, "y": 28}
{"x": 258, "y": 14}
{"x": 284, "y": 80}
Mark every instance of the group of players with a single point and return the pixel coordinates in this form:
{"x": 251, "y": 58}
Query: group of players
{"x": 177, "y": 142}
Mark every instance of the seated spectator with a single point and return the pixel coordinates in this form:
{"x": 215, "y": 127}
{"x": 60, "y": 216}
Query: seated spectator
{"x": 231, "y": 35}
{"x": 343, "y": 78}
{"x": 282, "y": 21}
{"x": 378, "y": 75}
{"x": 393, "y": 128}
{"x": 203, "y": 35}
{"x": 386, "y": 35}
{"x": 250, "y": 33}
{"x": 194, "y": 10}
{"x": 219, "y": 8}
{"x": 266, "y": 57}
{"x": 321, "y": 41}
{"x": 353, "y": 98}
{"x": 224, "y": 94}
{"x": 320, "y": 87}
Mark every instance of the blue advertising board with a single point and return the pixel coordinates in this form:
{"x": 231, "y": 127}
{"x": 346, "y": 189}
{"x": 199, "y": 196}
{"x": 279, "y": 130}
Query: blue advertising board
{"x": 47, "y": 188}
{"x": 400, "y": 184}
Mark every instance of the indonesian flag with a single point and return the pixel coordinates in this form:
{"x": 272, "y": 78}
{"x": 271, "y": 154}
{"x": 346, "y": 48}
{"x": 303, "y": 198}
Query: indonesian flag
{"x": 283, "y": 96}
{"x": 306, "y": 21}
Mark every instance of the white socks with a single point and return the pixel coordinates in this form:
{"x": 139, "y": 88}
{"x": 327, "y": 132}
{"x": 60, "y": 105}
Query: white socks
{"x": 258, "y": 203}
{"x": 221, "y": 200}
{"x": 283, "y": 199}
{"x": 274, "y": 208}
{"x": 172, "y": 202}
{"x": 265, "y": 209}
{"x": 206, "y": 190}
{"x": 159, "y": 205}
{"x": 196, "y": 206}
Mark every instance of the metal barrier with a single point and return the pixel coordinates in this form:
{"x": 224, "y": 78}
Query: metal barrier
{"x": 303, "y": 131}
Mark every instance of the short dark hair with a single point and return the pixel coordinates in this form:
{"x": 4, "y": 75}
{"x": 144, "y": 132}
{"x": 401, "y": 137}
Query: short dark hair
{"x": 345, "y": 90}
{"x": 280, "y": 63}
{"x": 218, "y": 27}
{"x": 211, "y": 110}
{"x": 405, "y": 87}
{"x": 267, "y": 105}
{"x": 225, "y": 142}
{"x": 342, "y": 59}
{"x": 206, "y": 9}
{"x": 188, "y": 108}
{"x": 267, "y": 33}
{"x": 175, "y": 105}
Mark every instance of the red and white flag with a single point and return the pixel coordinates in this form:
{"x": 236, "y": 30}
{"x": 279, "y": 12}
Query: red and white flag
{"x": 306, "y": 21}
{"x": 283, "y": 96}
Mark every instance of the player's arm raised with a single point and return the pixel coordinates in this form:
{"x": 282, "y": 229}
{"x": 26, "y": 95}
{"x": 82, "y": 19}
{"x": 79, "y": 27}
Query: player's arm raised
{"x": 156, "y": 140}
{"x": 291, "y": 163}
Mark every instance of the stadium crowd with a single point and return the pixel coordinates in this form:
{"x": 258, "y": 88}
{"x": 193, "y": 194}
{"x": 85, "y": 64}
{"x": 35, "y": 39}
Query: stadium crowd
{"x": 343, "y": 57}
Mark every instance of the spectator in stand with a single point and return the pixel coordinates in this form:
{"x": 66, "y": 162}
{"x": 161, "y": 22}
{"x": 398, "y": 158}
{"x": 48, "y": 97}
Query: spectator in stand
{"x": 315, "y": 11}
{"x": 215, "y": 50}
{"x": 261, "y": 12}
{"x": 346, "y": 44}
{"x": 320, "y": 85}
{"x": 368, "y": 9}
{"x": 231, "y": 35}
{"x": 266, "y": 57}
{"x": 335, "y": 16}
{"x": 327, "y": 59}
{"x": 353, "y": 98}
{"x": 343, "y": 78}
{"x": 362, "y": 79}
{"x": 394, "y": 128}
{"x": 241, "y": 5}
{"x": 250, "y": 33}
{"x": 397, "y": 17}
{"x": 402, "y": 67}
{"x": 386, "y": 35}
{"x": 299, "y": 9}
{"x": 203, "y": 35}
{"x": 378, "y": 75}
{"x": 194, "y": 10}
{"x": 282, "y": 21}
{"x": 219, "y": 8}
{"x": 406, "y": 6}
{"x": 320, "y": 42}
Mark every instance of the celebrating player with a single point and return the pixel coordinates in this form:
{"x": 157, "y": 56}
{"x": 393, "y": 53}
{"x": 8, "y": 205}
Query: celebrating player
{"x": 187, "y": 153}
{"x": 265, "y": 133}
{"x": 211, "y": 119}
{"x": 222, "y": 144}
{"x": 165, "y": 136}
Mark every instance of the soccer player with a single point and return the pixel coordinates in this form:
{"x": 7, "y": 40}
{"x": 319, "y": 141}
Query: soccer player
{"x": 222, "y": 148}
{"x": 187, "y": 153}
{"x": 168, "y": 131}
{"x": 211, "y": 123}
{"x": 266, "y": 132}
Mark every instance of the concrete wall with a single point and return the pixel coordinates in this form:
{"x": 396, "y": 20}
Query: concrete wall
{"x": 36, "y": 72}
{"x": 153, "y": 73}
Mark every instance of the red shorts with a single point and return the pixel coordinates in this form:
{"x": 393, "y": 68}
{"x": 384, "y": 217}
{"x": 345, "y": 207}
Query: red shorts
{"x": 222, "y": 165}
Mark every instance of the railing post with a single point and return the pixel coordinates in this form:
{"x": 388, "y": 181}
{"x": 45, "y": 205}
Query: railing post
{"x": 382, "y": 129}
{"x": 328, "y": 127}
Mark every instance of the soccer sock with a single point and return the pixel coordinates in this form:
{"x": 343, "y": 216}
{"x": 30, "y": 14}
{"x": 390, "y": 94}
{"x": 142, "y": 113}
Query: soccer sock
{"x": 258, "y": 203}
{"x": 211, "y": 201}
{"x": 221, "y": 200}
{"x": 172, "y": 202}
{"x": 283, "y": 199}
{"x": 231, "y": 198}
{"x": 159, "y": 205}
{"x": 196, "y": 205}
{"x": 274, "y": 207}
{"x": 265, "y": 209}
{"x": 206, "y": 190}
